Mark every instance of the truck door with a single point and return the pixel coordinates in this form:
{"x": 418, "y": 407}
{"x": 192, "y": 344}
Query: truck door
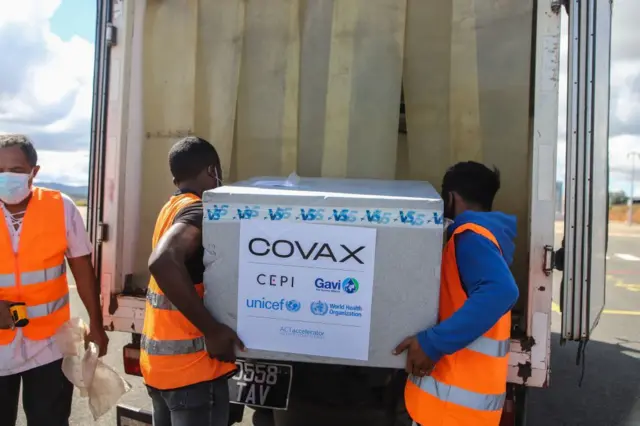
{"x": 95, "y": 224}
{"x": 587, "y": 170}
{"x": 117, "y": 133}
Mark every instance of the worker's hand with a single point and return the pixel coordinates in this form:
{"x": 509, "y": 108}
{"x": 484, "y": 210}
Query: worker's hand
{"x": 418, "y": 363}
{"x": 98, "y": 336}
{"x": 6, "y": 320}
{"x": 222, "y": 342}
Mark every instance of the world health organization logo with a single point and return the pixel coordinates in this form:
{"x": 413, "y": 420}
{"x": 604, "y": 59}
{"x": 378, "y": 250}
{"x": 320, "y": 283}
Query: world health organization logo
{"x": 293, "y": 305}
{"x": 319, "y": 308}
{"x": 350, "y": 285}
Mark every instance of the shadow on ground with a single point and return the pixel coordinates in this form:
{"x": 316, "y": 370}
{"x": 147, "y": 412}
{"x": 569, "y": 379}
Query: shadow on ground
{"x": 609, "y": 395}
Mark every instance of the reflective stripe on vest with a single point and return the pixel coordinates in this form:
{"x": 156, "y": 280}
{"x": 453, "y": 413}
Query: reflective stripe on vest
{"x": 459, "y": 396}
{"x": 490, "y": 347}
{"x": 160, "y": 301}
{"x": 33, "y": 277}
{"x": 469, "y": 386}
{"x": 47, "y": 308}
{"x": 171, "y": 347}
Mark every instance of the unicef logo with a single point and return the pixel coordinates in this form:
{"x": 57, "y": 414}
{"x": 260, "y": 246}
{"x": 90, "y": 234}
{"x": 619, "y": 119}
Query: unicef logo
{"x": 293, "y": 305}
{"x": 350, "y": 285}
{"x": 319, "y": 308}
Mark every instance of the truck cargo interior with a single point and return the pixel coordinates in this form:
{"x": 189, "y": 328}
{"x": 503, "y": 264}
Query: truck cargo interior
{"x": 316, "y": 88}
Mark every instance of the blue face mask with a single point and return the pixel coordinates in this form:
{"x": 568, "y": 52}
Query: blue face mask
{"x": 14, "y": 187}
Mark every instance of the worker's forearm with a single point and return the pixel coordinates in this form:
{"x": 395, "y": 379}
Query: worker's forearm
{"x": 454, "y": 333}
{"x": 175, "y": 283}
{"x": 91, "y": 300}
{"x": 484, "y": 307}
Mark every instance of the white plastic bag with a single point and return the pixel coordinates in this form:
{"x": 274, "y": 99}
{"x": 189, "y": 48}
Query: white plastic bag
{"x": 95, "y": 380}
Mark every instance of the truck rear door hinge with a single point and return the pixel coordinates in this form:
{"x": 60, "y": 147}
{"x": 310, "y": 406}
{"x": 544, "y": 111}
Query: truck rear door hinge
{"x": 103, "y": 233}
{"x": 549, "y": 260}
{"x": 110, "y": 35}
{"x": 556, "y": 5}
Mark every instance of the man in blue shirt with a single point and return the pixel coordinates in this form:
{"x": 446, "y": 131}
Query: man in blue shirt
{"x": 468, "y": 190}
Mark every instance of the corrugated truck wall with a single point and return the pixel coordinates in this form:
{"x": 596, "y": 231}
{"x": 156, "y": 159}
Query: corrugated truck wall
{"x": 169, "y": 71}
{"x": 314, "y": 86}
{"x": 467, "y": 88}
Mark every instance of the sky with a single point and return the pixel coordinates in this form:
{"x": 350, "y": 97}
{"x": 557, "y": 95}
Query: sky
{"x": 46, "y": 67}
{"x": 624, "y": 119}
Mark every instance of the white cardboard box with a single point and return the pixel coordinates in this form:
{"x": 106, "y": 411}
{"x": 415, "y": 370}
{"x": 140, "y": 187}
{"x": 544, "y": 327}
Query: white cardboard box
{"x": 322, "y": 270}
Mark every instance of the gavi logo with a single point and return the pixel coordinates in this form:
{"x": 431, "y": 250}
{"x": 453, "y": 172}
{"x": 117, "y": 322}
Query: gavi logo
{"x": 348, "y": 285}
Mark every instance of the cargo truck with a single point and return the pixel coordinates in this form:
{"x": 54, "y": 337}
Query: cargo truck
{"x": 383, "y": 89}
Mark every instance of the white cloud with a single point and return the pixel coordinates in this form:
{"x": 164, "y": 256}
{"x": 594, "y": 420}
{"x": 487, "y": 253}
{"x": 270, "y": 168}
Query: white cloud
{"x": 46, "y": 88}
{"x": 27, "y": 11}
{"x": 70, "y": 168}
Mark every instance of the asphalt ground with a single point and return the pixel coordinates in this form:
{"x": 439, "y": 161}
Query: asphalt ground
{"x": 610, "y": 393}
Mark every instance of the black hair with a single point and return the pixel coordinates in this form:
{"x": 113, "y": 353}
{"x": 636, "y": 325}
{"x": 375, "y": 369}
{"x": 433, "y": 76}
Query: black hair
{"x": 474, "y": 182}
{"x": 190, "y": 156}
{"x": 22, "y": 142}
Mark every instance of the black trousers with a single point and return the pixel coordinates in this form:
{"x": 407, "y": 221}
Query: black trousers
{"x": 46, "y": 396}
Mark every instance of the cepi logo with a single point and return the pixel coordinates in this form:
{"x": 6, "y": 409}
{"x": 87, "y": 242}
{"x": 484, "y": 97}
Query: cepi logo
{"x": 349, "y": 285}
{"x": 319, "y": 308}
{"x": 274, "y": 305}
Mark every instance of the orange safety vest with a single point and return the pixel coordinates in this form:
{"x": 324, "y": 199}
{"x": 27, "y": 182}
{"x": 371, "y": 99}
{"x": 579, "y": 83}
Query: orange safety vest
{"x": 36, "y": 274}
{"x": 173, "y": 353}
{"x": 466, "y": 388}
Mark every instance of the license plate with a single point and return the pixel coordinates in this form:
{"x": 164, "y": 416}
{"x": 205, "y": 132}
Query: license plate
{"x": 261, "y": 384}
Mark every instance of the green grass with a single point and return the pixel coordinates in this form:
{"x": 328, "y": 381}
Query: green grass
{"x": 81, "y": 203}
